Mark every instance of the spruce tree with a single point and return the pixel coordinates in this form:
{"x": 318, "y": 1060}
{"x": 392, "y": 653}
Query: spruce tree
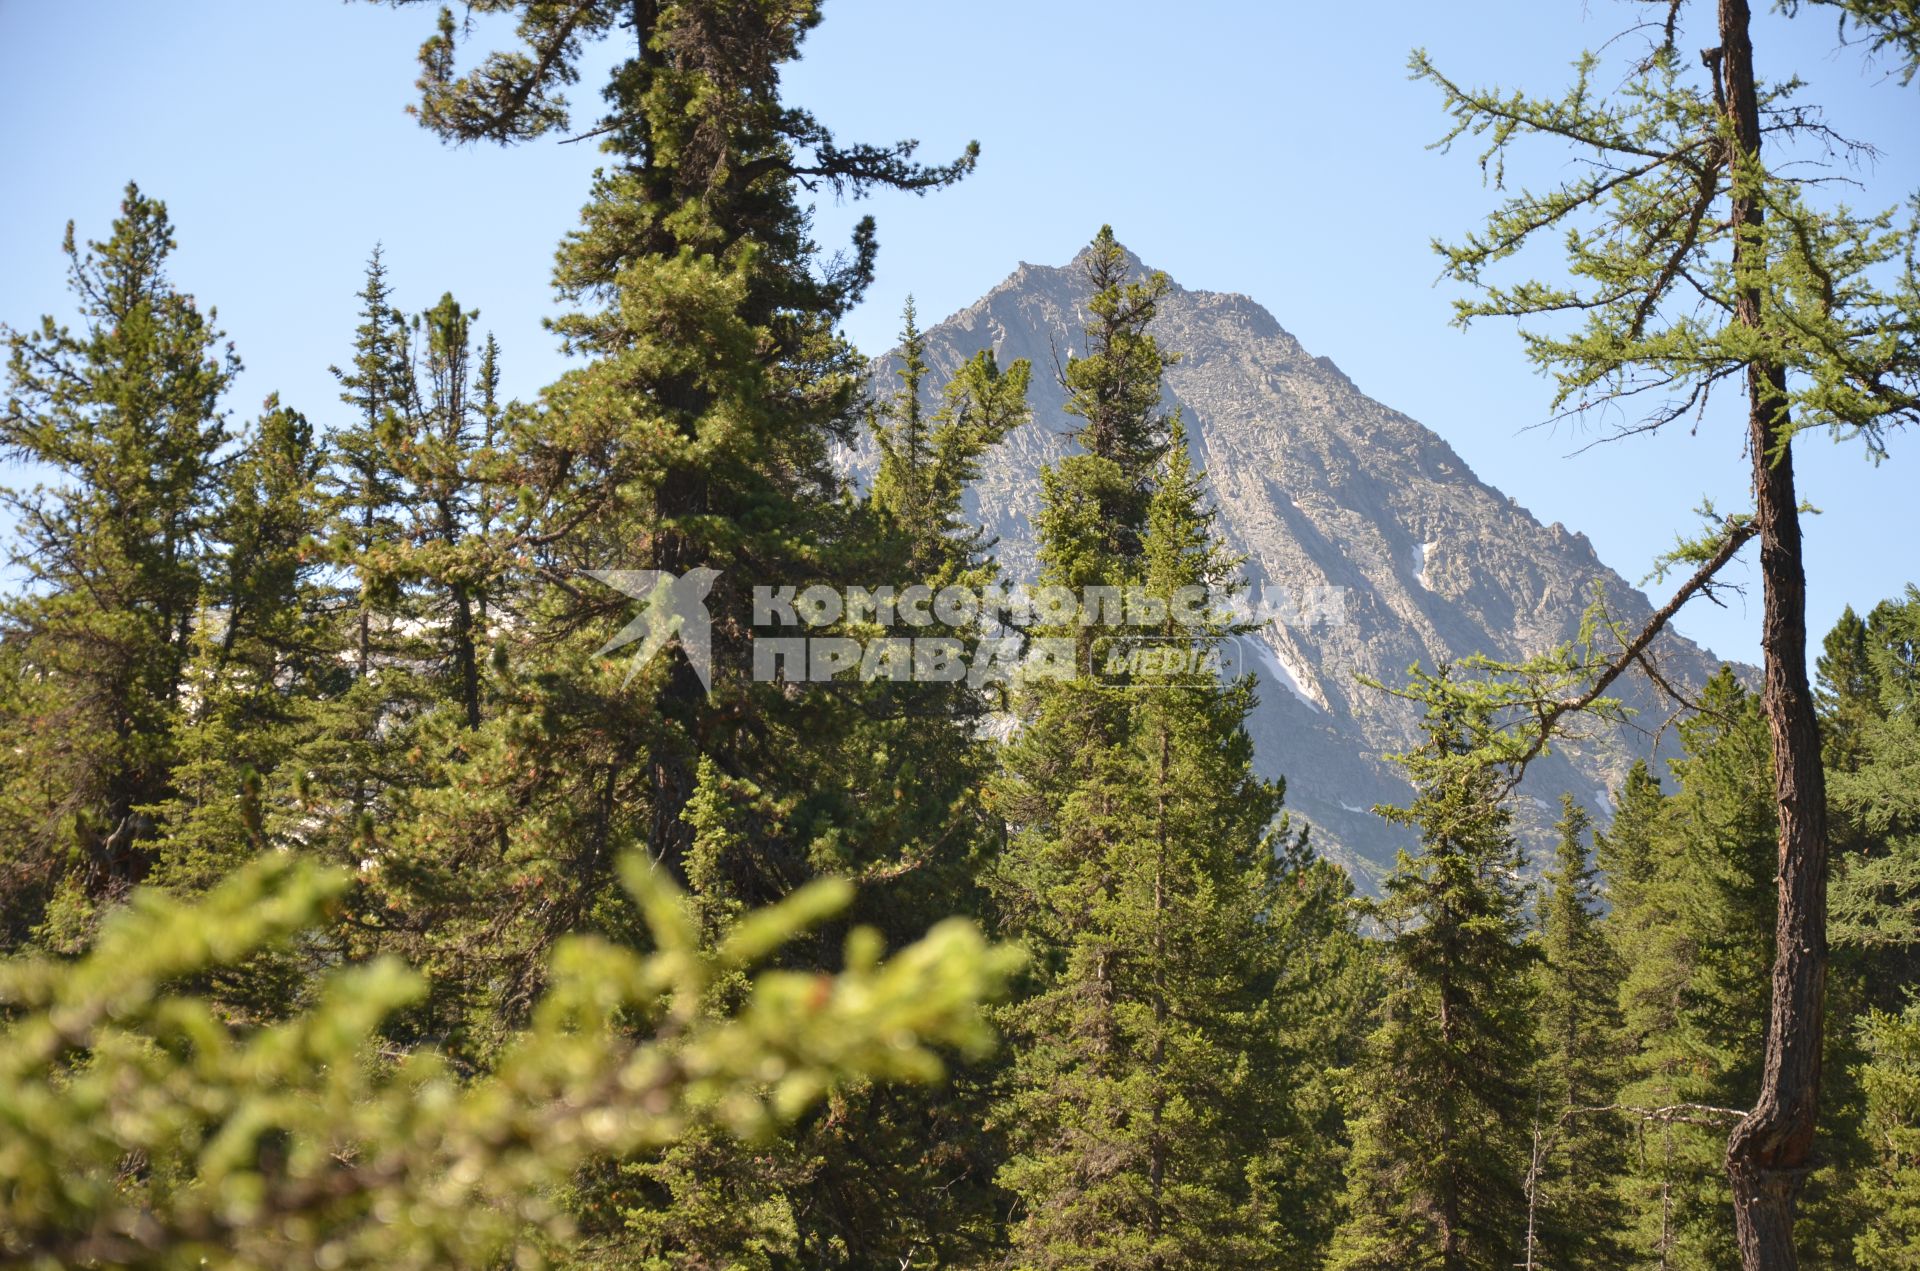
{"x": 1871, "y": 671}
{"x": 1440, "y": 1098}
{"x": 1321, "y": 1005}
{"x": 1847, "y": 688}
{"x": 1625, "y": 849}
{"x": 1890, "y": 1188}
{"x": 1876, "y": 788}
{"x": 1696, "y": 933}
{"x": 1148, "y": 1083}
{"x": 926, "y": 461}
{"x": 449, "y": 471}
{"x": 378, "y": 387}
{"x": 349, "y": 775}
{"x": 1578, "y": 1145}
{"x": 265, "y": 658}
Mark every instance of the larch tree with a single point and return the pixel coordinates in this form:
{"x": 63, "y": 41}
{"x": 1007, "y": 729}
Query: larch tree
{"x": 1699, "y": 261}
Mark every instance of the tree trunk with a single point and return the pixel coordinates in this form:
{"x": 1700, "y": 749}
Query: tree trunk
{"x": 465, "y": 658}
{"x": 1770, "y": 1151}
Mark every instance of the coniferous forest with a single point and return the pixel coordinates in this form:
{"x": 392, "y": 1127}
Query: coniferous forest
{"x": 443, "y": 829}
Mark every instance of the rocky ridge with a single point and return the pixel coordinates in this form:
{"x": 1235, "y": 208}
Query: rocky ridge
{"x": 1320, "y": 486}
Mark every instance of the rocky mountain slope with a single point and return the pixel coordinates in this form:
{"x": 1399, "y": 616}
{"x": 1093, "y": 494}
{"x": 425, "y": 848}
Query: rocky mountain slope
{"x": 1320, "y": 486}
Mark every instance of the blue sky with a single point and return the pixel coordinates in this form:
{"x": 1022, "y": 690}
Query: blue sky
{"x": 1272, "y": 148}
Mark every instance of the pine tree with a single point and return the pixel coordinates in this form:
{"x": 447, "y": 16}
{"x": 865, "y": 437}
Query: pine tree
{"x": 692, "y": 435}
{"x": 1439, "y": 1097}
{"x": 114, "y": 550}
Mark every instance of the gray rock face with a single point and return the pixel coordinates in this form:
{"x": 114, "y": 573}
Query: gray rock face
{"x": 1320, "y": 486}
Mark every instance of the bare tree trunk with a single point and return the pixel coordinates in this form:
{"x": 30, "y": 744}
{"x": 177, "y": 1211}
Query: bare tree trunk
{"x": 1771, "y": 1149}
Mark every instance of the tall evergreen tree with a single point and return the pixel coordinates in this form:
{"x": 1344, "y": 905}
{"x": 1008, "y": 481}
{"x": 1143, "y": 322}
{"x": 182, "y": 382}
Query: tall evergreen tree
{"x": 1890, "y": 1188}
{"x": 448, "y": 471}
{"x": 1848, "y": 690}
{"x": 1113, "y": 388}
{"x": 115, "y": 549}
{"x": 885, "y": 1172}
{"x": 1439, "y": 1097}
{"x": 1147, "y": 1086}
{"x": 1873, "y": 675}
{"x": 928, "y": 460}
{"x": 1876, "y": 787}
{"x": 692, "y": 438}
{"x": 1625, "y": 849}
{"x": 379, "y": 387}
{"x": 1696, "y": 933}
{"x": 1578, "y": 1149}
{"x": 265, "y": 657}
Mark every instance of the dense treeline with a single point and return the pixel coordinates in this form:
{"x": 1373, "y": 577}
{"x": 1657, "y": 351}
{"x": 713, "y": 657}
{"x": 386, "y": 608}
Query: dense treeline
{"x": 366, "y": 907}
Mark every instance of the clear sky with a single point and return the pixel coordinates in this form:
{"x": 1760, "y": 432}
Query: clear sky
{"x": 1270, "y": 147}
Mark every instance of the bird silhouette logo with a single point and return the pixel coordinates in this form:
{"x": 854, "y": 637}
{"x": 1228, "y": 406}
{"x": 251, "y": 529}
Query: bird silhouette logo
{"x": 675, "y": 608}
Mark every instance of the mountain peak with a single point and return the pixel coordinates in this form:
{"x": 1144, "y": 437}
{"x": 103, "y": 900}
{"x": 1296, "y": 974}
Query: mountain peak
{"x": 1326, "y": 491}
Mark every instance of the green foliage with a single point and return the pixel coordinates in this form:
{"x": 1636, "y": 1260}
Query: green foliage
{"x": 261, "y": 650}
{"x": 123, "y": 417}
{"x": 1695, "y": 930}
{"x": 1113, "y": 387}
{"x": 1891, "y": 1078}
{"x": 1160, "y": 1057}
{"x": 1439, "y": 1099}
{"x": 692, "y": 432}
{"x": 927, "y": 462}
{"x": 1884, "y": 26}
{"x": 1645, "y": 247}
{"x": 1578, "y": 1150}
{"x": 147, "y": 1129}
{"x": 366, "y": 913}
{"x": 1876, "y": 788}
